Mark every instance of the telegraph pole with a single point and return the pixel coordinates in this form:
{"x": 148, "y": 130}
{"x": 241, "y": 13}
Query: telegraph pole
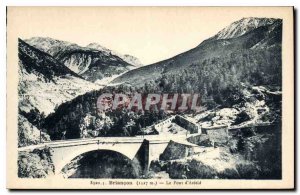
{"x": 39, "y": 127}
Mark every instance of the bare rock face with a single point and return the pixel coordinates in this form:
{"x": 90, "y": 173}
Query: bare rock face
{"x": 35, "y": 164}
{"x": 243, "y": 26}
{"x": 45, "y": 82}
{"x": 93, "y": 62}
{"x": 127, "y": 58}
{"x": 132, "y": 60}
{"x": 244, "y": 46}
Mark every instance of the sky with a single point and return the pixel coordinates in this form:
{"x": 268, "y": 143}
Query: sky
{"x": 151, "y": 34}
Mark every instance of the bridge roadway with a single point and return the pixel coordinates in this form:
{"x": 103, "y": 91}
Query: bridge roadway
{"x": 144, "y": 148}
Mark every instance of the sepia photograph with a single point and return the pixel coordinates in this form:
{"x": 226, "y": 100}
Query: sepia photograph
{"x": 150, "y": 97}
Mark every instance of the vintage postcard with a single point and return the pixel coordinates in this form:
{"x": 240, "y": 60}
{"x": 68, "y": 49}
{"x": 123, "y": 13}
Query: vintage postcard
{"x": 150, "y": 98}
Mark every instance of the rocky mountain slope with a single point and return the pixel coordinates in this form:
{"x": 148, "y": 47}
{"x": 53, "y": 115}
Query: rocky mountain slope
{"x": 44, "y": 84}
{"x": 237, "y": 72}
{"x": 93, "y": 62}
{"x": 223, "y": 71}
{"x": 258, "y": 37}
{"x": 127, "y": 58}
{"x": 242, "y": 26}
{"x": 53, "y": 72}
{"x": 228, "y": 73}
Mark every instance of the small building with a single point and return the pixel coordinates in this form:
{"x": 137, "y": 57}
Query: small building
{"x": 187, "y": 124}
{"x": 217, "y": 134}
{"x": 201, "y": 140}
{"x": 176, "y": 150}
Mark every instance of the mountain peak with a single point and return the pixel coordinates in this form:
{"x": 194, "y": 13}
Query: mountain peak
{"x": 127, "y": 58}
{"x": 50, "y": 45}
{"x": 243, "y": 26}
{"x": 40, "y": 62}
{"x": 98, "y": 47}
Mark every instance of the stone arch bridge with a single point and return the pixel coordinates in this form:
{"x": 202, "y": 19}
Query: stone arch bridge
{"x": 142, "y": 149}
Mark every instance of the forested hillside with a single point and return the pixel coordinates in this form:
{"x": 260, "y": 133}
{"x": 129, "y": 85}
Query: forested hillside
{"x": 242, "y": 72}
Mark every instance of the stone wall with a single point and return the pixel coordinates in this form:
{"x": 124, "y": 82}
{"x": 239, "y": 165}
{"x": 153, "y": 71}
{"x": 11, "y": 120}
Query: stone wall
{"x": 159, "y": 125}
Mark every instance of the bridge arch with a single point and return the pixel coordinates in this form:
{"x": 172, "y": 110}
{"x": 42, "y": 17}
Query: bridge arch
{"x": 61, "y": 156}
{"x": 105, "y": 164}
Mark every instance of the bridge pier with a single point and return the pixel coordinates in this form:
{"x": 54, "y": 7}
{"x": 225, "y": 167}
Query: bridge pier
{"x": 142, "y": 158}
